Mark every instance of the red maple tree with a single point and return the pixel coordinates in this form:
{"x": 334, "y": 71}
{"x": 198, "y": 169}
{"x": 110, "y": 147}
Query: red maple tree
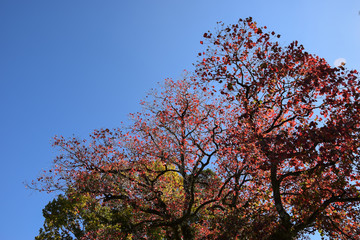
{"x": 160, "y": 166}
{"x": 297, "y": 129}
{"x": 261, "y": 143}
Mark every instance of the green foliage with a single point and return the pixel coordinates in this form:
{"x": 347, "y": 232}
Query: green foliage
{"x": 72, "y": 216}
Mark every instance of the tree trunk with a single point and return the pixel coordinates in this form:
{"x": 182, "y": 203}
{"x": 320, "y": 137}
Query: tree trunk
{"x": 282, "y": 234}
{"x": 187, "y": 232}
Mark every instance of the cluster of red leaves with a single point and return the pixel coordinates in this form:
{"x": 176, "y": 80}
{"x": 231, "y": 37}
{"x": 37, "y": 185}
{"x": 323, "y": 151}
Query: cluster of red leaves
{"x": 298, "y": 120}
{"x": 159, "y": 166}
{"x": 262, "y": 143}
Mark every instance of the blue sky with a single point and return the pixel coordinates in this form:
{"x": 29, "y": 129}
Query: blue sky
{"x": 68, "y": 67}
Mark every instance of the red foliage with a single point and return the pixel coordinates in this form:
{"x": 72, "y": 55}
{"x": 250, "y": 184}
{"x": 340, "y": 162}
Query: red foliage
{"x": 263, "y": 143}
{"x": 297, "y": 127}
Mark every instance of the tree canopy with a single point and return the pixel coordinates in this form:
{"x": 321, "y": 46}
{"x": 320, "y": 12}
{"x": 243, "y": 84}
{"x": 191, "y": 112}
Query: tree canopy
{"x": 261, "y": 142}
{"x": 76, "y": 216}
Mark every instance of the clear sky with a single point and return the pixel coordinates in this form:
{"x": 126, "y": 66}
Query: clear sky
{"x": 68, "y": 67}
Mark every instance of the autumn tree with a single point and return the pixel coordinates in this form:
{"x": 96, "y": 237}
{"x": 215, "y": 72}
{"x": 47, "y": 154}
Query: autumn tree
{"x": 262, "y": 142}
{"x": 162, "y": 166}
{"x": 297, "y": 129}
